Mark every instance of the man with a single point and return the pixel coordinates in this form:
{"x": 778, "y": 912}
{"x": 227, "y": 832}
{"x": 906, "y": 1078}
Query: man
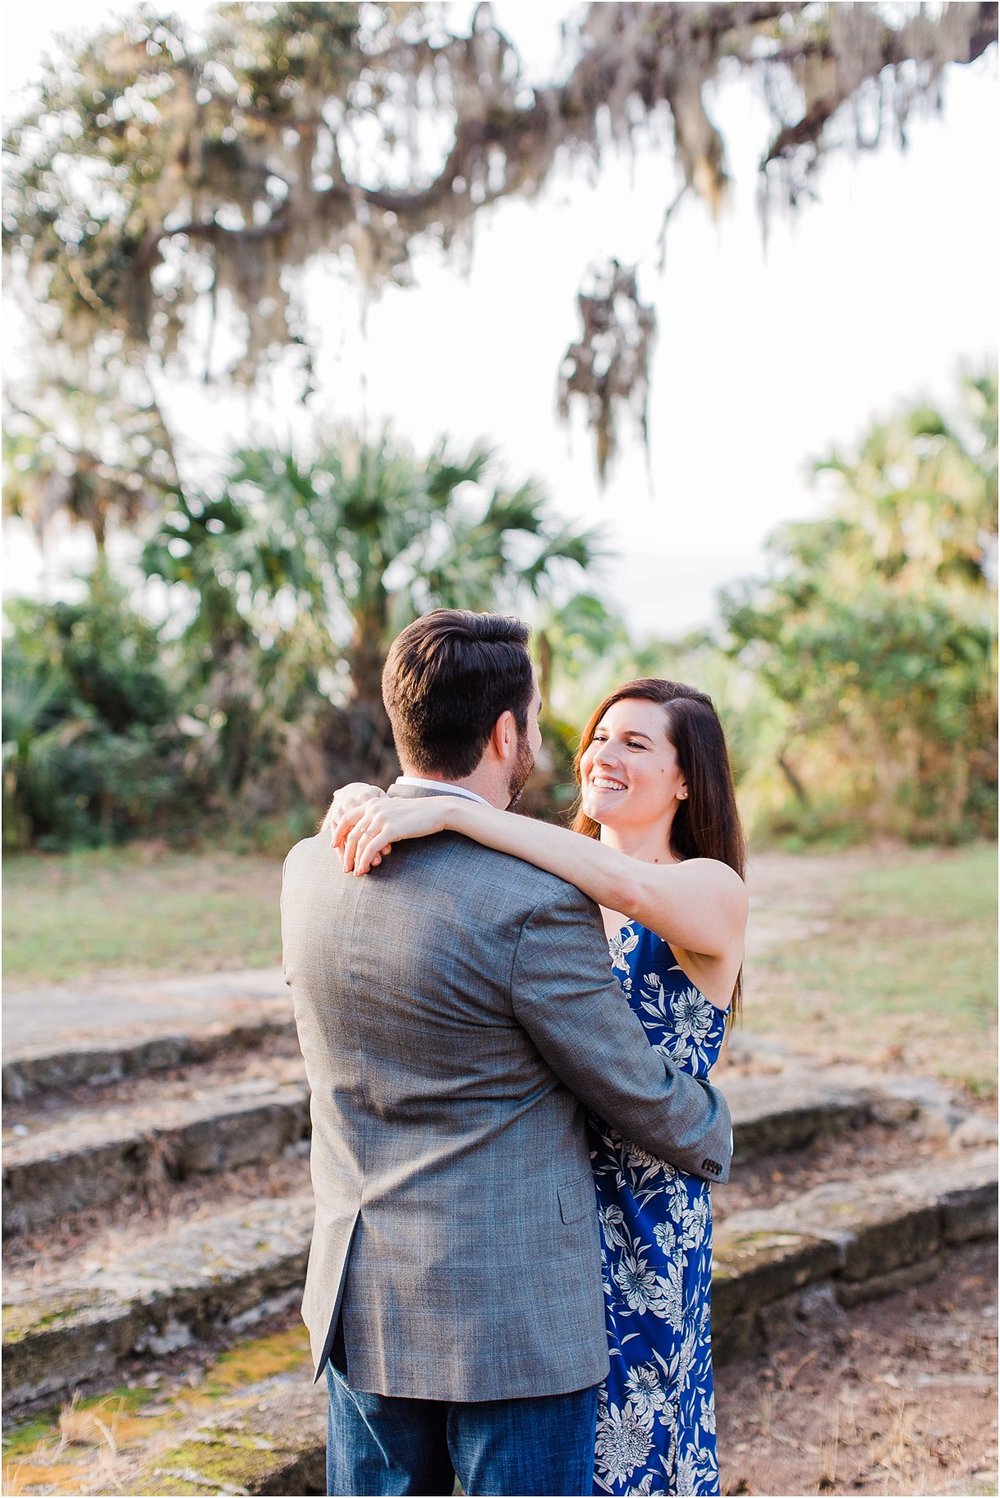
{"x": 457, "y": 1015}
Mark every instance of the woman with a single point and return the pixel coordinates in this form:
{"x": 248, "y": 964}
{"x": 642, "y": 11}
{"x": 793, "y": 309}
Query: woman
{"x": 664, "y": 858}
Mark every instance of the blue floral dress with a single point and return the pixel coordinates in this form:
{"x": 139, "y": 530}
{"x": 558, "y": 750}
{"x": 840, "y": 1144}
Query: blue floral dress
{"x": 656, "y": 1413}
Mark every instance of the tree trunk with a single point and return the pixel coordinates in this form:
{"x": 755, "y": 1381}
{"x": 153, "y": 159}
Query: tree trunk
{"x": 793, "y": 780}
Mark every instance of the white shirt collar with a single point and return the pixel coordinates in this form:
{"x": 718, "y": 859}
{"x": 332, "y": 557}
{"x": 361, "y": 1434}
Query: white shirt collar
{"x": 441, "y": 785}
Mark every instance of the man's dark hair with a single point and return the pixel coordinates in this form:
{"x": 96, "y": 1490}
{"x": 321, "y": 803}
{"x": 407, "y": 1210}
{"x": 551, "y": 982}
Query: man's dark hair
{"x": 447, "y": 679}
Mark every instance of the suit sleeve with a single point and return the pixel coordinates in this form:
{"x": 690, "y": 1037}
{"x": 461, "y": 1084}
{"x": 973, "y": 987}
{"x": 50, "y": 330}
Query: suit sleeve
{"x": 583, "y": 1027}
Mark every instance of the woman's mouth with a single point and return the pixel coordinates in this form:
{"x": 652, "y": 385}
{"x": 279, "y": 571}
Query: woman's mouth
{"x": 605, "y": 783}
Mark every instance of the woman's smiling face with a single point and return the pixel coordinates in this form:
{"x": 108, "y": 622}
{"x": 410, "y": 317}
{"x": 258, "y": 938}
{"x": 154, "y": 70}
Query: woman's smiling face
{"x": 629, "y": 775}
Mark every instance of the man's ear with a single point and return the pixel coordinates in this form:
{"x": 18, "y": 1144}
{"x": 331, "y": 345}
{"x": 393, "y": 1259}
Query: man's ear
{"x": 503, "y": 739}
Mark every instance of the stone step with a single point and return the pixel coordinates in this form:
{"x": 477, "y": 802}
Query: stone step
{"x": 227, "y": 1269}
{"x": 785, "y": 1111}
{"x": 94, "y": 1062}
{"x": 80, "y": 1158}
{"x": 857, "y": 1236}
{"x": 846, "y": 1241}
{"x": 270, "y": 1440}
{"x": 250, "y": 1421}
{"x": 61, "y": 1035}
{"x": 85, "y": 1157}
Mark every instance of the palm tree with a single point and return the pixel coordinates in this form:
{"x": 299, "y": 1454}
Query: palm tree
{"x": 242, "y": 580}
{"x": 303, "y": 569}
{"x": 922, "y": 489}
{"x": 385, "y": 536}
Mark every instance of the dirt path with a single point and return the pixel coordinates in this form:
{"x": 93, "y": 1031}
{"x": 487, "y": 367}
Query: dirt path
{"x": 892, "y": 1396}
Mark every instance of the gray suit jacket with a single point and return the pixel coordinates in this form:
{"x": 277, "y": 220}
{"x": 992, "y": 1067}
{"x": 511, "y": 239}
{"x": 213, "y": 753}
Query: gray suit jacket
{"x": 457, "y": 1015}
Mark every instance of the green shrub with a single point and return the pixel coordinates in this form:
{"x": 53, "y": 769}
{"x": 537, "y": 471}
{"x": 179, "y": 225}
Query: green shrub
{"x": 91, "y": 748}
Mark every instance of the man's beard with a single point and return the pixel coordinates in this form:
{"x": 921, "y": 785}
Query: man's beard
{"x": 521, "y": 770}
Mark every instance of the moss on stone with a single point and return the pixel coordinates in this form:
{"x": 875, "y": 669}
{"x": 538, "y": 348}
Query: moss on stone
{"x": 226, "y": 1457}
{"x": 755, "y": 1244}
{"x": 22, "y": 1439}
{"x": 250, "y": 1362}
{"x": 230, "y": 1454}
{"x": 22, "y": 1319}
{"x": 156, "y": 1485}
{"x": 129, "y": 1397}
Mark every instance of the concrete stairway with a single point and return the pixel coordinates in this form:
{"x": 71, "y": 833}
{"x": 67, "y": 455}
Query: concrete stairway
{"x": 86, "y": 1155}
{"x": 158, "y": 1212}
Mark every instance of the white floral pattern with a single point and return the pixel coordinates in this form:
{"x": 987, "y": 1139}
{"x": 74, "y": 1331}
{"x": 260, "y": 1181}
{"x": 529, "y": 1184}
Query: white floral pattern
{"x": 656, "y": 1414}
{"x": 620, "y": 946}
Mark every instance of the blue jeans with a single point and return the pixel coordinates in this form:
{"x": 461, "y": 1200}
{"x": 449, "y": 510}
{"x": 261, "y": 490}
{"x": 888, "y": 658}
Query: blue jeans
{"x": 377, "y": 1444}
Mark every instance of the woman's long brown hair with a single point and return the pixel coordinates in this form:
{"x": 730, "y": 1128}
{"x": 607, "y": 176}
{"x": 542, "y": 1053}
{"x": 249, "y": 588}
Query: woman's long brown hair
{"x": 707, "y": 823}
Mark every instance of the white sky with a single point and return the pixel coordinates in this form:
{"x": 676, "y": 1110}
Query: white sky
{"x": 873, "y": 295}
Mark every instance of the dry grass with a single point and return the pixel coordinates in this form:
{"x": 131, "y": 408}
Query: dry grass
{"x": 887, "y": 957}
{"x": 141, "y": 909}
{"x": 83, "y": 1454}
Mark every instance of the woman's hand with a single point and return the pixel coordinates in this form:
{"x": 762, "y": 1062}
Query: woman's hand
{"x": 366, "y": 834}
{"x": 349, "y": 798}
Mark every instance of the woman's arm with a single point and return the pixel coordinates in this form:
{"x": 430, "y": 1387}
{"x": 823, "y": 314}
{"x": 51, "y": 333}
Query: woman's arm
{"x": 699, "y": 906}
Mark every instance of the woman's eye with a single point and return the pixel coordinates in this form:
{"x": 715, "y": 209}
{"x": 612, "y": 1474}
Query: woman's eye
{"x": 635, "y": 744}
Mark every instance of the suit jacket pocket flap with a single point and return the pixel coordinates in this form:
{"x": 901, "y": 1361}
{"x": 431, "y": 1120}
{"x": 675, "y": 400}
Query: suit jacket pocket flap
{"x": 577, "y": 1199}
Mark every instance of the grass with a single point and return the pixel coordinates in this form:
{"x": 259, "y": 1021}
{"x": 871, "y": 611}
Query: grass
{"x": 143, "y": 909}
{"x": 896, "y": 963}
{"x": 885, "y": 957}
